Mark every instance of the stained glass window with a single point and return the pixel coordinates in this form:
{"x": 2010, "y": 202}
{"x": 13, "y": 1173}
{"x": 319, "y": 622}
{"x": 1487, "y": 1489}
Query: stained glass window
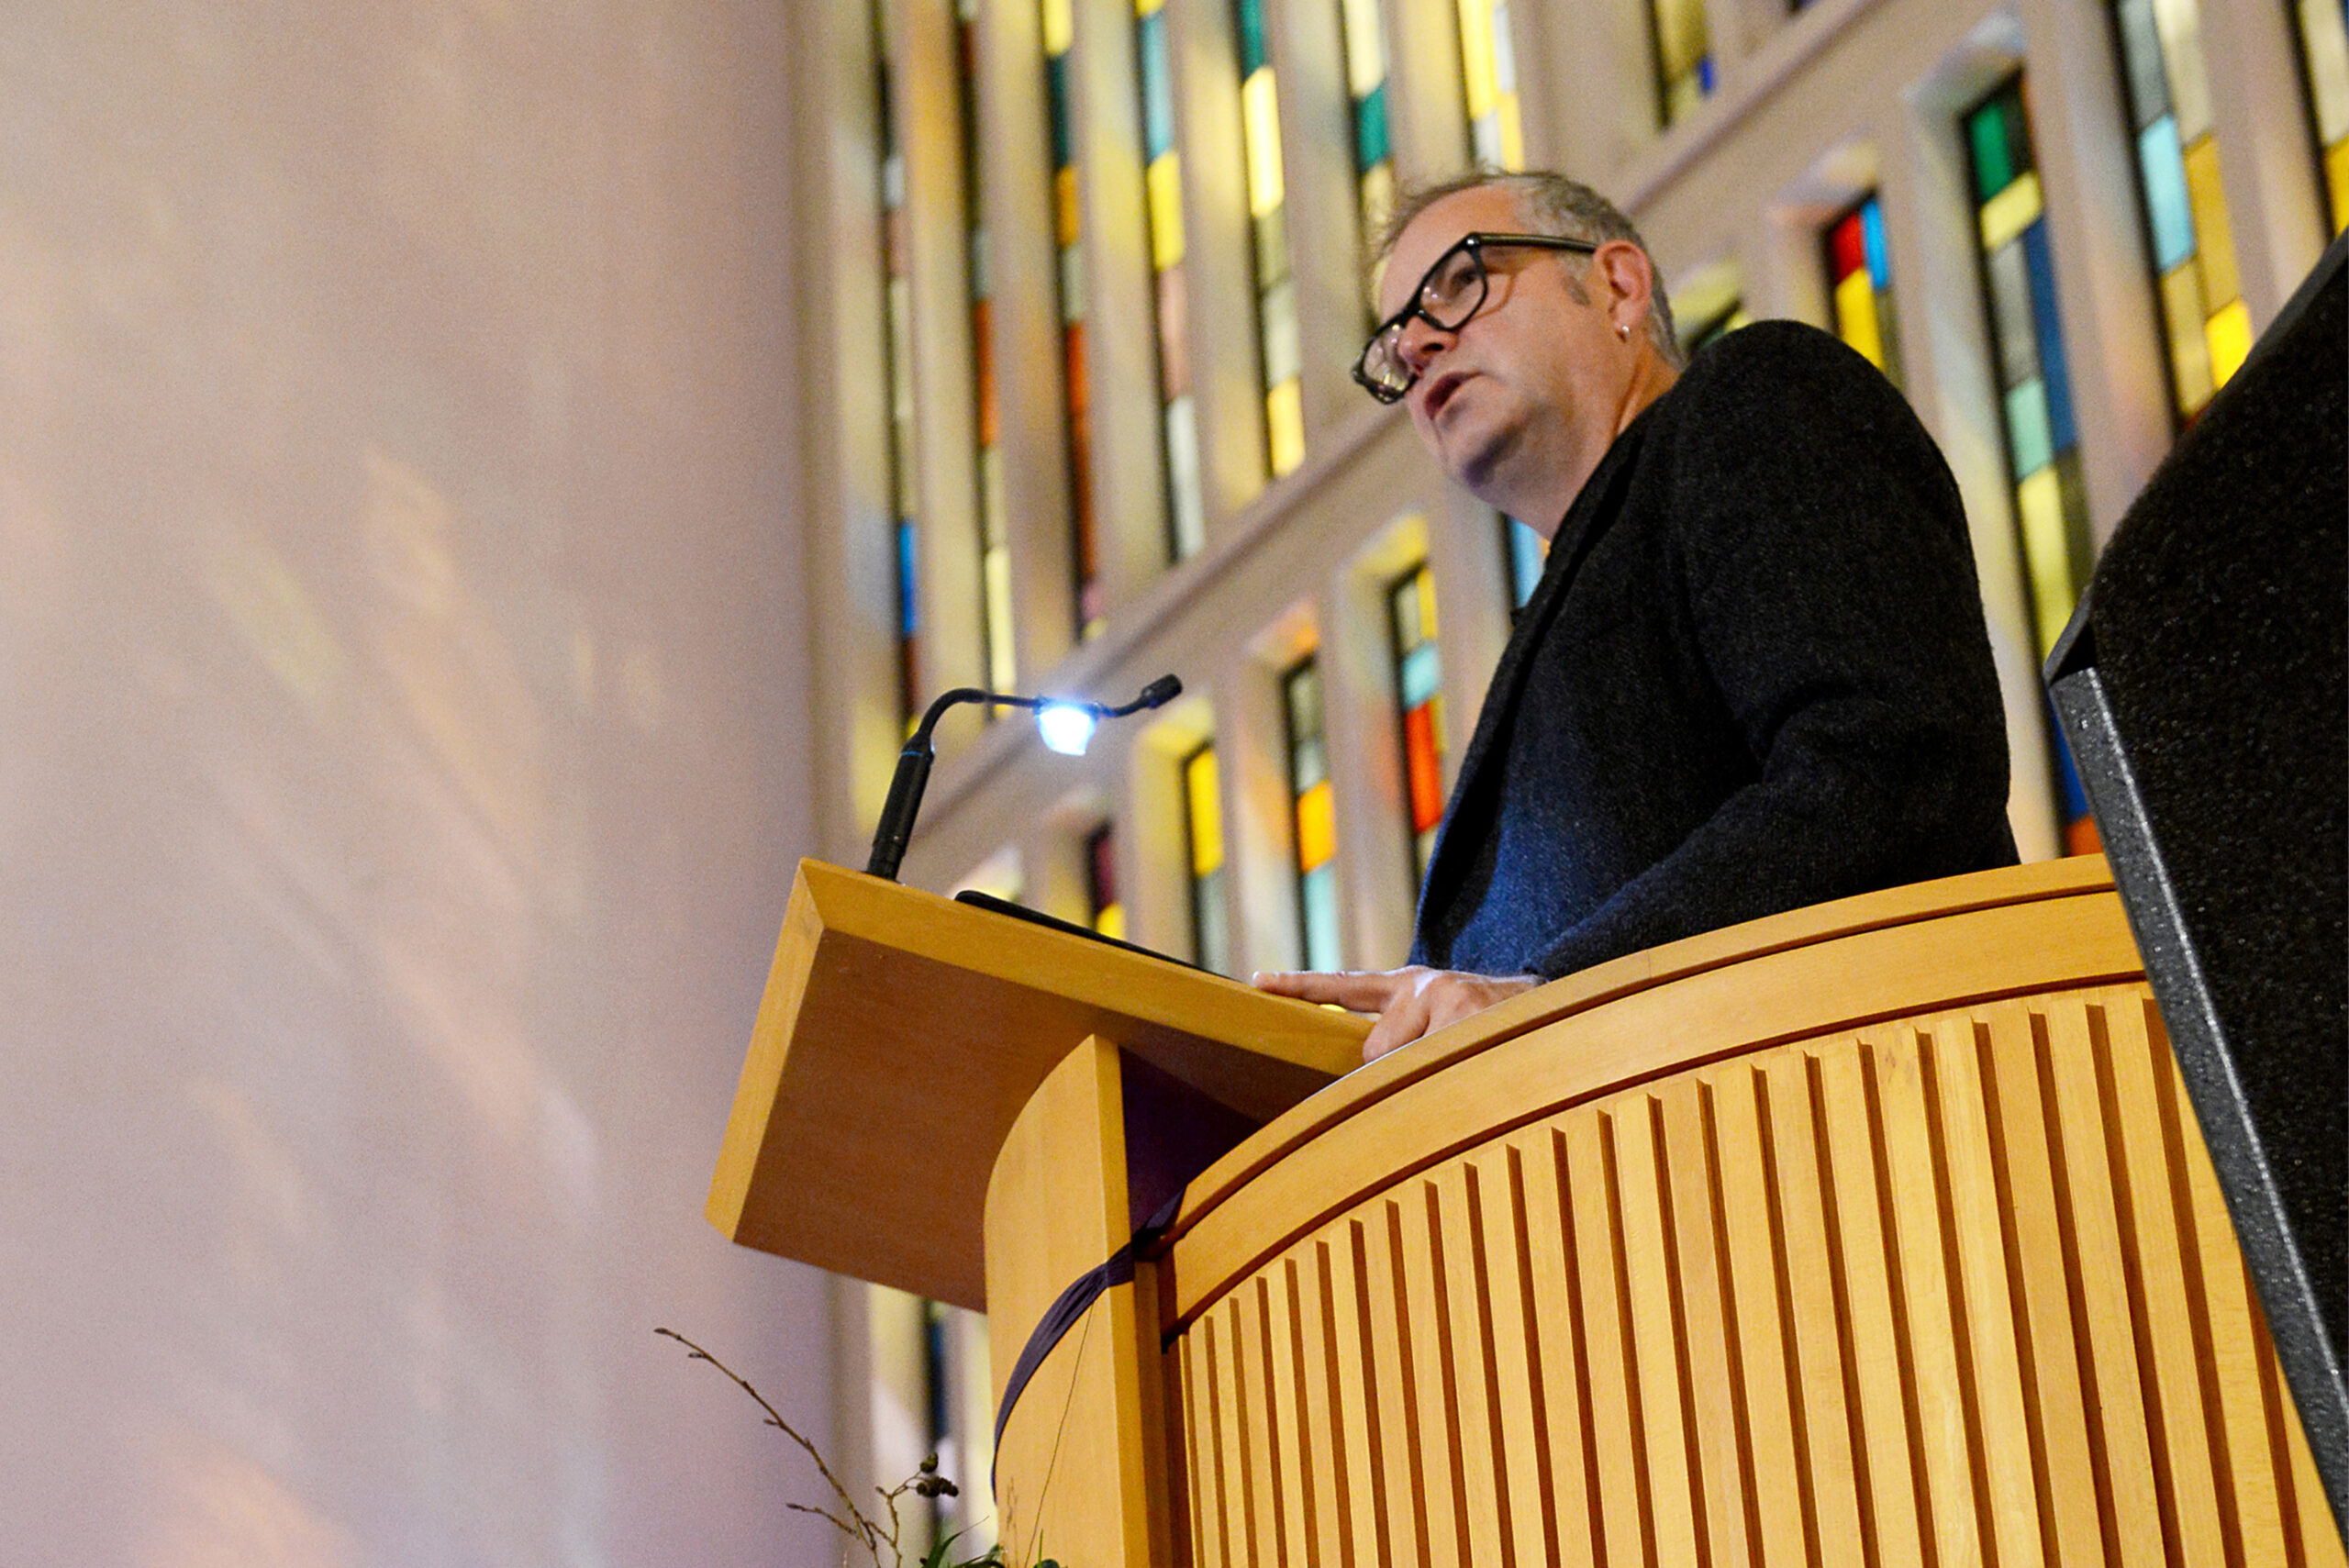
{"x": 1684, "y": 57}
{"x": 2324, "y": 57}
{"x": 1162, "y": 197}
{"x": 898, "y": 324}
{"x": 2204, "y": 319}
{"x": 1366, "y": 47}
{"x": 1859, "y": 277}
{"x": 1526, "y": 552}
{"x": 2035, "y": 394}
{"x": 1203, "y": 830}
{"x": 1075, "y": 379}
{"x": 994, "y": 551}
{"x": 1488, "y": 76}
{"x": 1103, "y": 908}
{"x": 1259, "y": 128}
{"x": 1314, "y": 817}
{"x": 1418, "y": 696}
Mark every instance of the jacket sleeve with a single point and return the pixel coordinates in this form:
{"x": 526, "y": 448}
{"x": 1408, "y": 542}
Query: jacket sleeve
{"x": 1830, "y": 592}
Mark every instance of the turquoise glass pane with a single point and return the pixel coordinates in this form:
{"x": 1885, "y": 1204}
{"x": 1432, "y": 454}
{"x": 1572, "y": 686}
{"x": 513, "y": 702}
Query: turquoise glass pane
{"x": 1157, "y": 86}
{"x": 2027, "y": 430}
{"x": 1526, "y": 559}
{"x": 1317, "y": 893}
{"x": 2167, "y": 211}
{"x": 1422, "y": 675}
{"x": 1056, "y": 97}
{"x": 909, "y": 594}
{"x": 1252, "y": 36}
{"x": 1370, "y": 130}
{"x": 1986, "y": 130}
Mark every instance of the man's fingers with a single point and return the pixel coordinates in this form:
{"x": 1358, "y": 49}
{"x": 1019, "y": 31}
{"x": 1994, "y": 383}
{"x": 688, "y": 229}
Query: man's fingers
{"x": 1356, "y": 992}
{"x": 1399, "y": 1026}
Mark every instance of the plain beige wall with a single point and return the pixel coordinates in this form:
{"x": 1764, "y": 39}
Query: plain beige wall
{"x": 401, "y": 691}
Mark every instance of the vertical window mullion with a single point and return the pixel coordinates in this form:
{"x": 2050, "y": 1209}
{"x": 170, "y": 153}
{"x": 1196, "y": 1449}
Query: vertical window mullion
{"x": 1488, "y": 82}
{"x": 1203, "y": 836}
{"x": 995, "y": 547}
{"x": 1068, "y": 250}
{"x": 1418, "y": 706}
{"x": 1162, "y": 201}
{"x": 1364, "y": 46}
{"x": 1279, "y": 359}
{"x": 1313, "y": 816}
{"x": 896, "y": 322}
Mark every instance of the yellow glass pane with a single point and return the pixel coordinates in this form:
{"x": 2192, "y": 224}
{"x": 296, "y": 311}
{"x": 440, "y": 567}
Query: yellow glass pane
{"x": 1144, "y": 7}
{"x": 2230, "y": 332}
{"x": 1064, "y": 206}
{"x": 1317, "y": 828}
{"x": 1207, "y": 814}
{"x": 2208, "y": 196}
{"x": 1002, "y": 673}
{"x": 1165, "y": 182}
{"x": 1260, "y": 113}
{"x": 1365, "y": 47}
{"x": 2047, "y": 557}
{"x": 1856, "y": 320}
{"x": 1512, "y": 132}
{"x": 2183, "y": 310}
{"x": 2011, "y": 211}
{"x": 1425, "y": 582}
{"x": 2336, "y": 181}
{"x": 1285, "y": 424}
{"x": 1476, "y": 67}
{"x": 1059, "y": 31}
{"x": 1112, "y": 921}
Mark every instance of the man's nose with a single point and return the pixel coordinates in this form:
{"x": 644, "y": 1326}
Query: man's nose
{"x": 1421, "y": 341}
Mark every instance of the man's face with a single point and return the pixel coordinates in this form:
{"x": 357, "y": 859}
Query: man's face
{"x": 1521, "y": 400}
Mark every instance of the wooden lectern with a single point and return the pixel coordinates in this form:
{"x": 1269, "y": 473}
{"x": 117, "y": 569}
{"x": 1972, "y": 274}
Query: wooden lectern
{"x": 1879, "y": 1232}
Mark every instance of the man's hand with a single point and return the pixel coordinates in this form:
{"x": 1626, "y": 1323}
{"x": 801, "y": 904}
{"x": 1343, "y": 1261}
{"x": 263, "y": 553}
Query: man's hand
{"x": 1409, "y": 1002}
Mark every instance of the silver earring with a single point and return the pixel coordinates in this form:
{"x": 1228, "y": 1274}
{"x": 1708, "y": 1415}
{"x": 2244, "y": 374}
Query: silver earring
{"x": 1623, "y": 331}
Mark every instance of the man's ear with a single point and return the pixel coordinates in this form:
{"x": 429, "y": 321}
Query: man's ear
{"x": 1629, "y": 276}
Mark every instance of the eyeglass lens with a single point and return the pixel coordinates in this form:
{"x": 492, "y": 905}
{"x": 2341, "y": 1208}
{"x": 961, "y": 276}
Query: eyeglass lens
{"x": 1451, "y": 292}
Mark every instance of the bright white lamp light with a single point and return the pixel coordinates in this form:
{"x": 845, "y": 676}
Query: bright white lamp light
{"x": 1065, "y": 727}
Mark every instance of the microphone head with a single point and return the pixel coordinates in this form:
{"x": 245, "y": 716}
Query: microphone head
{"x": 1160, "y": 691}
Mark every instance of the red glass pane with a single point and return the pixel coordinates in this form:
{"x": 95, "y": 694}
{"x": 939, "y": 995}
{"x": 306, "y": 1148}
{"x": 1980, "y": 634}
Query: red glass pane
{"x": 982, "y": 359}
{"x": 1848, "y": 244}
{"x": 1080, "y": 392}
{"x": 2080, "y": 836}
{"x": 1423, "y": 767}
{"x": 1174, "y": 357}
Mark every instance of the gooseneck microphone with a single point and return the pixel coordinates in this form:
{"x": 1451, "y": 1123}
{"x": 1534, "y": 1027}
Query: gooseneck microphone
{"x": 1066, "y": 726}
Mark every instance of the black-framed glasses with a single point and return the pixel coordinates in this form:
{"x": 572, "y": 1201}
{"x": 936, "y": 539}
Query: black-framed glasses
{"x": 1451, "y": 292}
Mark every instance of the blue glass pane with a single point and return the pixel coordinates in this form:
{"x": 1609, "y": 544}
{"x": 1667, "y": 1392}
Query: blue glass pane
{"x": 2027, "y": 428}
{"x": 2062, "y": 432}
{"x": 1157, "y": 86}
{"x": 1526, "y": 559}
{"x": 2167, "y": 210}
{"x": 1318, "y": 892}
{"x": 2067, "y": 777}
{"x": 908, "y": 597}
{"x": 1872, "y": 237}
{"x": 1370, "y": 130}
{"x": 1421, "y": 675}
{"x": 1705, "y": 73}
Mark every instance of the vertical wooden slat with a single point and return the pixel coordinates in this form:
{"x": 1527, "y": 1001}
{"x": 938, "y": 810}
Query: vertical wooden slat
{"x": 2071, "y": 1097}
{"x": 1747, "y": 1236}
{"x": 1499, "y": 1170}
{"x": 1860, "y": 1238}
{"x": 1439, "y": 1433}
{"x": 1322, "y": 1458}
{"x": 1617, "y": 1430}
{"x": 1554, "y": 1267}
{"x": 1938, "y": 1369}
{"x": 1976, "y": 1238}
{"x": 1260, "y": 1453}
{"x": 1676, "y": 1519}
{"x": 2040, "y": 1268}
{"x": 1708, "y": 1350}
{"x": 1484, "y": 1479}
{"x": 1244, "y": 1497}
{"x": 2167, "y": 1333}
{"x": 1367, "y": 1519}
{"x": 1811, "y": 1287}
{"x": 1293, "y": 1453}
{"x": 1210, "y": 1510}
{"x": 2241, "y": 1404}
{"x": 1398, "y": 1403}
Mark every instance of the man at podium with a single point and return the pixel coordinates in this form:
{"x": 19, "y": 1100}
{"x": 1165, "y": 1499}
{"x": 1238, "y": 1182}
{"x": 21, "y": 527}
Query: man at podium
{"x": 1754, "y": 674}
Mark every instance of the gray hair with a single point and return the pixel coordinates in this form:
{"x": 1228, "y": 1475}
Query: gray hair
{"x": 1552, "y": 204}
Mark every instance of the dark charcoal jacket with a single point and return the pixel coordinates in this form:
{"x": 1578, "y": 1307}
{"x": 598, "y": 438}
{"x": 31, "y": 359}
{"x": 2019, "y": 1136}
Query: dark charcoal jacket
{"x": 1754, "y": 676}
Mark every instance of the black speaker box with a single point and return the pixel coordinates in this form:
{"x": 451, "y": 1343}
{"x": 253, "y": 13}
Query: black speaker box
{"x": 2201, "y": 688}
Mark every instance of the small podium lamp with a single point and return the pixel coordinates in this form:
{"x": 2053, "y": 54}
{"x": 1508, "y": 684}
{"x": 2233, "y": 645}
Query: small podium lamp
{"x": 1065, "y": 725}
